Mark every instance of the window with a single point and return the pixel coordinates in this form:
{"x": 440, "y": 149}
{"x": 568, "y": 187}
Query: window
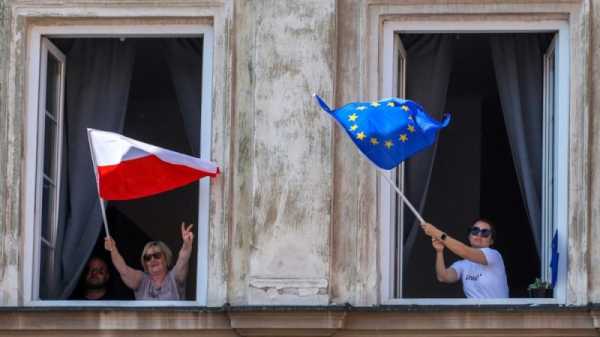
{"x": 479, "y": 167}
{"x": 154, "y": 87}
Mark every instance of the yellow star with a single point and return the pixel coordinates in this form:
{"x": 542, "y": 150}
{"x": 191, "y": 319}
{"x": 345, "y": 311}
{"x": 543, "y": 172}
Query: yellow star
{"x": 405, "y": 108}
{"x": 374, "y": 141}
{"x": 391, "y": 104}
{"x": 361, "y": 135}
{"x": 411, "y": 128}
{"x": 375, "y": 104}
{"x": 389, "y": 144}
{"x": 360, "y": 108}
{"x": 352, "y": 117}
{"x": 403, "y": 138}
{"x": 353, "y": 127}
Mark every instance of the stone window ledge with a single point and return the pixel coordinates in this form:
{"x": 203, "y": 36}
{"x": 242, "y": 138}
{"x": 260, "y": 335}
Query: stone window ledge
{"x": 547, "y": 320}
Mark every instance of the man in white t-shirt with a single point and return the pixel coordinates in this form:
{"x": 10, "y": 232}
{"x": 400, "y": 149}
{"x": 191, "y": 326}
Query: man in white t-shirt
{"x": 482, "y": 271}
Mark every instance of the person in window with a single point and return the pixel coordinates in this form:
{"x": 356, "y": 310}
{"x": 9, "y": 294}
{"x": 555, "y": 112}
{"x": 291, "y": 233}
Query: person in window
{"x": 157, "y": 281}
{"x": 482, "y": 269}
{"x": 96, "y": 276}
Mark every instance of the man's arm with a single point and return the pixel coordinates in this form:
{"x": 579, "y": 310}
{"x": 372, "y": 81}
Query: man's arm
{"x": 457, "y": 247}
{"x": 131, "y": 277}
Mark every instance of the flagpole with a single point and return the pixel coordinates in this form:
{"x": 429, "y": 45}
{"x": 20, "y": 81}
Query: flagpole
{"x": 102, "y": 207}
{"x": 406, "y": 201}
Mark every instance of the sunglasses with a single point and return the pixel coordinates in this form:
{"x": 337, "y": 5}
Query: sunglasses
{"x": 484, "y": 233}
{"x": 148, "y": 257}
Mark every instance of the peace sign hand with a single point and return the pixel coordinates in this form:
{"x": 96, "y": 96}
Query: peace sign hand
{"x": 186, "y": 234}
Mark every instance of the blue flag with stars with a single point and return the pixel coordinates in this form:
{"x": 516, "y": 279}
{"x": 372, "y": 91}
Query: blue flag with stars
{"x": 554, "y": 258}
{"x": 388, "y": 131}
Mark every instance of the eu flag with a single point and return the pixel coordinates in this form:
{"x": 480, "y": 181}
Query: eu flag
{"x": 554, "y": 258}
{"x": 387, "y": 131}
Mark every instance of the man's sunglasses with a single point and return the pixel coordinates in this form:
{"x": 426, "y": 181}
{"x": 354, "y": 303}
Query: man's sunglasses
{"x": 484, "y": 233}
{"x": 148, "y": 257}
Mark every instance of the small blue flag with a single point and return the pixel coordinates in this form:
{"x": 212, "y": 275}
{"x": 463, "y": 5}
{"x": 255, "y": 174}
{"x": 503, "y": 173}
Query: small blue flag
{"x": 387, "y": 131}
{"x": 554, "y": 258}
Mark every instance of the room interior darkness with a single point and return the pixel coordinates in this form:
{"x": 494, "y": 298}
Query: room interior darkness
{"x": 473, "y": 177}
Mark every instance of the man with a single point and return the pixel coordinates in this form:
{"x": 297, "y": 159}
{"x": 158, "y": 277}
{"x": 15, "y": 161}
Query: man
{"x": 96, "y": 279}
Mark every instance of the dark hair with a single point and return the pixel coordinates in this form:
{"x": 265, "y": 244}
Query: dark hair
{"x": 487, "y": 221}
{"x": 94, "y": 257}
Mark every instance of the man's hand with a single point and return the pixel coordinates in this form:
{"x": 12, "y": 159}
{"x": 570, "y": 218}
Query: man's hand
{"x": 437, "y": 245}
{"x": 186, "y": 234}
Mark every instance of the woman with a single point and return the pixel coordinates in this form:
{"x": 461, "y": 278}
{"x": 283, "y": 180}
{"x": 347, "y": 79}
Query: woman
{"x": 156, "y": 282}
{"x": 482, "y": 268}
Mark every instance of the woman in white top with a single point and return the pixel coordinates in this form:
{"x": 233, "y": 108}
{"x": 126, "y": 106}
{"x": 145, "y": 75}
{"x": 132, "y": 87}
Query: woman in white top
{"x": 482, "y": 271}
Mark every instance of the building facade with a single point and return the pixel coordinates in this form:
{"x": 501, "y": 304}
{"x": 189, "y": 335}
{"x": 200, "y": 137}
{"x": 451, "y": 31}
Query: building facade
{"x": 296, "y": 237}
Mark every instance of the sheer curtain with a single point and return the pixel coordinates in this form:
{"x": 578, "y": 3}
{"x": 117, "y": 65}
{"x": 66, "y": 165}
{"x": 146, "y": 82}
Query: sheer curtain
{"x": 98, "y": 80}
{"x": 429, "y": 63}
{"x": 519, "y": 74}
{"x": 184, "y": 58}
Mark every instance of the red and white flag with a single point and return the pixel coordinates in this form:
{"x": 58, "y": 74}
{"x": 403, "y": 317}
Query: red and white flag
{"x": 130, "y": 169}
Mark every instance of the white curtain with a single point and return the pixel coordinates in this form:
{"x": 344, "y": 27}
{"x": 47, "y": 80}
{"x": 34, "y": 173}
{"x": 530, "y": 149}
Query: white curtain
{"x": 518, "y": 64}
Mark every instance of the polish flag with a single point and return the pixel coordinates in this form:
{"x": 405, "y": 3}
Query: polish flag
{"x": 129, "y": 169}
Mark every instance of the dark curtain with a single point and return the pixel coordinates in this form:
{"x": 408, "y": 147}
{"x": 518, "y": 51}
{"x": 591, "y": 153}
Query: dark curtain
{"x": 98, "y": 79}
{"x": 184, "y": 58}
{"x": 429, "y": 63}
{"x": 519, "y": 74}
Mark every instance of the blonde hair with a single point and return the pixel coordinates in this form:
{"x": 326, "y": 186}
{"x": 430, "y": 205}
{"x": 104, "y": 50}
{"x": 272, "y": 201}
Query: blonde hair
{"x": 163, "y": 249}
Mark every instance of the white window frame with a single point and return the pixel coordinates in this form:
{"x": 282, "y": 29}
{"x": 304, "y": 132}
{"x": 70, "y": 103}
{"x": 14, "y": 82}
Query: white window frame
{"x": 48, "y": 49}
{"x": 561, "y": 130}
{"x": 31, "y": 233}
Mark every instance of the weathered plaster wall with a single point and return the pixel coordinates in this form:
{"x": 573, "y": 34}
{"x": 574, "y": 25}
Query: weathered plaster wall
{"x": 10, "y": 174}
{"x": 594, "y": 152}
{"x": 285, "y": 52}
{"x": 579, "y": 160}
{"x": 354, "y": 277}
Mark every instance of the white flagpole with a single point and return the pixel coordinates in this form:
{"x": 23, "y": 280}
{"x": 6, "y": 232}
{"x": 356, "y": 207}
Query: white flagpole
{"x": 98, "y": 183}
{"x": 401, "y": 195}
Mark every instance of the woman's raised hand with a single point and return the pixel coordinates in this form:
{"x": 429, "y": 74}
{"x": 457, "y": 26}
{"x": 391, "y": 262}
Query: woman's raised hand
{"x": 186, "y": 233}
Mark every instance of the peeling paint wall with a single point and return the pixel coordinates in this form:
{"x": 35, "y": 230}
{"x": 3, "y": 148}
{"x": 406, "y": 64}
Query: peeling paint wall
{"x": 593, "y": 253}
{"x": 292, "y": 56}
{"x": 354, "y": 226}
{"x": 10, "y": 175}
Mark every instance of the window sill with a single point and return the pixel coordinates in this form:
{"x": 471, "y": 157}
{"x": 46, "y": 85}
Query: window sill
{"x": 405, "y": 320}
{"x": 115, "y": 304}
{"x": 472, "y": 302}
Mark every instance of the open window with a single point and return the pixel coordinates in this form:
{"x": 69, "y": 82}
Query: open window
{"x": 496, "y": 160}
{"x": 150, "y": 88}
{"x": 49, "y": 143}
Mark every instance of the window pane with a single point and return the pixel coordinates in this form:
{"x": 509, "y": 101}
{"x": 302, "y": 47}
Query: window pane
{"x": 47, "y": 202}
{"x": 52, "y": 78}
{"x": 45, "y": 269}
{"x": 49, "y": 147}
